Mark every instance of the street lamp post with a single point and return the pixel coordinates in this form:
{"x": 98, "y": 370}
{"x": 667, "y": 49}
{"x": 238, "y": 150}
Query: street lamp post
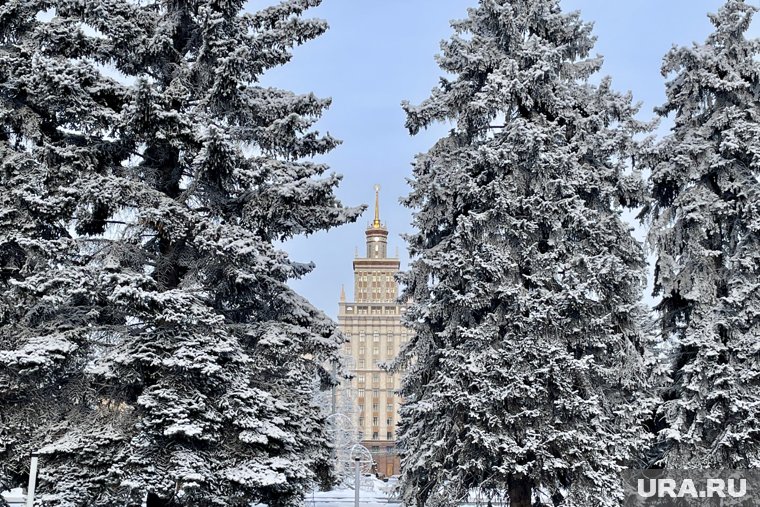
{"x": 32, "y": 481}
{"x": 357, "y": 482}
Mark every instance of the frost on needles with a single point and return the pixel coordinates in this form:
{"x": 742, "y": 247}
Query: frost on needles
{"x": 705, "y": 218}
{"x": 150, "y": 348}
{"x": 528, "y": 359}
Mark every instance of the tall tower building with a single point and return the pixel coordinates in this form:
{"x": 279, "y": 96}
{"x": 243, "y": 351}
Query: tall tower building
{"x": 373, "y": 327}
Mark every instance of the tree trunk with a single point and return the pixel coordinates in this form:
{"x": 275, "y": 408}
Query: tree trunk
{"x": 520, "y": 492}
{"x": 154, "y": 500}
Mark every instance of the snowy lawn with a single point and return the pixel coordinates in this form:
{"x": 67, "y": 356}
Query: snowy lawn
{"x": 14, "y": 497}
{"x": 372, "y": 494}
{"x": 345, "y": 498}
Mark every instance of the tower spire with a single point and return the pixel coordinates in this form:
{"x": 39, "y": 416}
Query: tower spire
{"x": 376, "y": 233}
{"x": 376, "y": 224}
{"x": 342, "y": 293}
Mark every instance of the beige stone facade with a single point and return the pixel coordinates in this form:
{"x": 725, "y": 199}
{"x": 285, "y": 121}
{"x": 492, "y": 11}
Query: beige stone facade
{"x": 372, "y": 324}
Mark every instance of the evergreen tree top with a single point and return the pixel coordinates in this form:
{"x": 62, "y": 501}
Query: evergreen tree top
{"x": 507, "y": 55}
{"x": 716, "y": 70}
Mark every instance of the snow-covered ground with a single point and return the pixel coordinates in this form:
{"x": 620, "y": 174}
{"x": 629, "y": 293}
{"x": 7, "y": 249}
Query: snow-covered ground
{"x": 14, "y": 497}
{"x": 378, "y": 494}
{"x": 345, "y": 498}
{"x": 373, "y": 493}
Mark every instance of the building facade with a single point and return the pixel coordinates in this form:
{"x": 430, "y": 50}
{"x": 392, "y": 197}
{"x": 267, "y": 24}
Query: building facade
{"x": 372, "y": 324}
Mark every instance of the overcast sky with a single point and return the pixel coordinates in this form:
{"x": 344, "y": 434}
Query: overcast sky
{"x": 380, "y": 52}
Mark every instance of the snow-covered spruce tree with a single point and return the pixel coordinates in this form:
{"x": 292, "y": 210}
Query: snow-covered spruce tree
{"x": 150, "y": 348}
{"x": 705, "y": 231}
{"x": 528, "y": 350}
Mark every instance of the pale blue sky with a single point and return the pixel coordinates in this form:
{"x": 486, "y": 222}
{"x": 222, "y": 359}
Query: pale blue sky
{"x": 380, "y": 52}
